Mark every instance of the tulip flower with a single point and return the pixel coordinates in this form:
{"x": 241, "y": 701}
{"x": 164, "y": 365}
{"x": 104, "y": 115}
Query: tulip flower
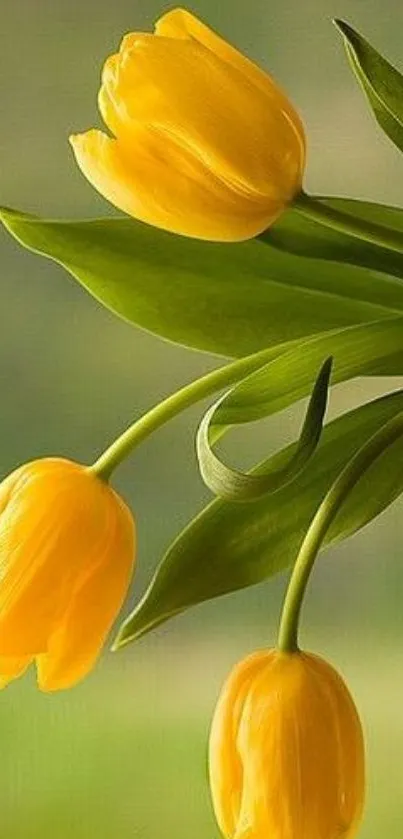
{"x": 66, "y": 558}
{"x": 286, "y": 751}
{"x": 204, "y": 143}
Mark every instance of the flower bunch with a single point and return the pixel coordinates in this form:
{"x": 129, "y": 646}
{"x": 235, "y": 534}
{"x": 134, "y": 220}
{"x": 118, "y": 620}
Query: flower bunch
{"x": 204, "y": 143}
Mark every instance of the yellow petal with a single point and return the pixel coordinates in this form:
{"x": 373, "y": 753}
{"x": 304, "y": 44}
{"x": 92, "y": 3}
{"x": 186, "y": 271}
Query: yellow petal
{"x": 78, "y": 640}
{"x": 29, "y": 527}
{"x": 214, "y": 111}
{"x": 164, "y": 185}
{"x": 348, "y": 732}
{"x": 206, "y": 145}
{"x": 226, "y": 772}
{"x": 12, "y": 668}
{"x": 179, "y": 23}
{"x": 287, "y": 740}
{"x": 54, "y": 520}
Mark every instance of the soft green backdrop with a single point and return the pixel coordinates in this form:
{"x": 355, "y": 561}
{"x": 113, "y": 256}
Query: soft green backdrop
{"x": 123, "y": 755}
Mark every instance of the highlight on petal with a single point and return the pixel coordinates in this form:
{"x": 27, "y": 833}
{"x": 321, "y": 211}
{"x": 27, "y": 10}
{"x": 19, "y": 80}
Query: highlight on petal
{"x": 180, "y": 23}
{"x": 30, "y": 529}
{"x": 226, "y": 772}
{"x": 77, "y": 642}
{"x": 158, "y": 78}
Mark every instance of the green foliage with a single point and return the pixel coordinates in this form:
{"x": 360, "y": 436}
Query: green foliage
{"x": 368, "y": 349}
{"x": 236, "y": 486}
{"x": 304, "y": 237}
{"x": 228, "y": 299}
{"x": 304, "y": 292}
{"x": 233, "y": 545}
{"x": 381, "y": 82}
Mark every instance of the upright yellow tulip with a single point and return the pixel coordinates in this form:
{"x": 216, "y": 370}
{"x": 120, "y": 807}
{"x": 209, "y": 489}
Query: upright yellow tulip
{"x": 286, "y": 751}
{"x": 205, "y": 143}
{"x": 66, "y": 558}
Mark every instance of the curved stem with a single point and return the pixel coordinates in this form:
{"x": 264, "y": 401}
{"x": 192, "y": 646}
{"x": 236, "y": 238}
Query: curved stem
{"x": 377, "y": 234}
{"x": 326, "y": 513}
{"x": 173, "y": 405}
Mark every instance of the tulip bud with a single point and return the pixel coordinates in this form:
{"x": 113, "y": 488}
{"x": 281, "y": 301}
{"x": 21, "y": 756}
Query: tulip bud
{"x": 66, "y": 558}
{"x": 286, "y": 751}
{"x": 205, "y": 143}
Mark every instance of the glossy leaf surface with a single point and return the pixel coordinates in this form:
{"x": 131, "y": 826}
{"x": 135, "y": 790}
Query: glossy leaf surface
{"x": 227, "y": 299}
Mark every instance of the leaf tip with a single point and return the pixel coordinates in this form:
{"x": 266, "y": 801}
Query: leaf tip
{"x": 327, "y": 367}
{"x": 343, "y": 27}
{"x": 123, "y": 637}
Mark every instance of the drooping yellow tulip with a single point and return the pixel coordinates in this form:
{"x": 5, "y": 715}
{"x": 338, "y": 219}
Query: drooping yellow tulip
{"x": 204, "y": 143}
{"x": 286, "y": 751}
{"x": 67, "y": 545}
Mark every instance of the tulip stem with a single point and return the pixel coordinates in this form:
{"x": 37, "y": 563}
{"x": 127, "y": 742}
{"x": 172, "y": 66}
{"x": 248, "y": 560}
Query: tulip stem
{"x": 320, "y": 524}
{"x": 173, "y": 405}
{"x": 317, "y": 210}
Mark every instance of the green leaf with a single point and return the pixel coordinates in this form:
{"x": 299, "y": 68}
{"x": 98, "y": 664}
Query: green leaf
{"x": 227, "y": 299}
{"x": 374, "y": 349}
{"x": 297, "y": 234}
{"x": 235, "y": 485}
{"x": 232, "y": 545}
{"x": 381, "y": 82}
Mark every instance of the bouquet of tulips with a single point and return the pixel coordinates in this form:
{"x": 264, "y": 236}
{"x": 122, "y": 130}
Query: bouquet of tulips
{"x": 222, "y": 250}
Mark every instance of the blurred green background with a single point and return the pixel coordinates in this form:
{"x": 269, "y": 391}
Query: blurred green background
{"x": 124, "y": 754}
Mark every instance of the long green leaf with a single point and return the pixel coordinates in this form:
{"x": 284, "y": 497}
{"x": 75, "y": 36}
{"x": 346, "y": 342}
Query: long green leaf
{"x": 381, "y": 82}
{"x": 233, "y": 545}
{"x": 373, "y": 349}
{"x": 228, "y": 299}
{"x": 297, "y": 234}
{"x": 235, "y": 485}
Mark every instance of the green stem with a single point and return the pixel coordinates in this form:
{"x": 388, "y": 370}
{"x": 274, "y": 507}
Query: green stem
{"x": 325, "y": 515}
{"x": 376, "y": 234}
{"x": 173, "y": 405}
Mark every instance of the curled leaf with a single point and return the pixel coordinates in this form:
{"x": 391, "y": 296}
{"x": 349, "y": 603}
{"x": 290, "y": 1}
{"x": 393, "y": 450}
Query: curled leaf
{"x": 237, "y": 486}
{"x": 231, "y": 546}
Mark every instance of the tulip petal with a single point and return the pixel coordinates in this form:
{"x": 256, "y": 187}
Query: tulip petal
{"x": 11, "y": 668}
{"x": 286, "y": 746}
{"x": 347, "y": 731}
{"x": 181, "y": 24}
{"x": 164, "y": 185}
{"x": 77, "y": 642}
{"x": 55, "y": 518}
{"x": 214, "y": 110}
{"x": 28, "y": 531}
{"x": 306, "y": 728}
{"x": 226, "y": 771}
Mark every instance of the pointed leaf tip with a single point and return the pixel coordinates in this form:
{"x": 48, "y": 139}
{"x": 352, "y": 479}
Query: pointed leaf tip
{"x": 237, "y": 486}
{"x": 380, "y": 81}
{"x": 228, "y": 547}
{"x": 343, "y": 26}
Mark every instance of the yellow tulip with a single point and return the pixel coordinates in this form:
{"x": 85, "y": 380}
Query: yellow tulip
{"x": 286, "y": 751}
{"x": 66, "y": 558}
{"x": 204, "y": 143}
